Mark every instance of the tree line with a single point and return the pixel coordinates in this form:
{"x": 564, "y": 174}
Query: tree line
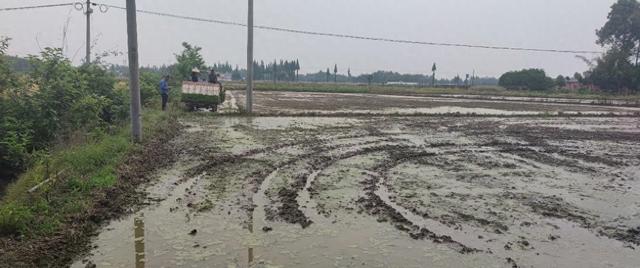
{"x": 617, "y": 71}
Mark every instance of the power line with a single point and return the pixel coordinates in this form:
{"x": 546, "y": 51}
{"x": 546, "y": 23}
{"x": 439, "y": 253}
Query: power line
{"x": 359, "y": 37}
{"x": 35, "y": 7}
{"x": 336, "y": 35}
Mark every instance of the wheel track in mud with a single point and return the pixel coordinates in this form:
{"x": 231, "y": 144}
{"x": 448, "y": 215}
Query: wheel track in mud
{"x": 291, "y": 201}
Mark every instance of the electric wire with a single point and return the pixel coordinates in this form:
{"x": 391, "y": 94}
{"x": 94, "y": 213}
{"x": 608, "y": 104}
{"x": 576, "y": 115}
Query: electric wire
{"x": 35, "y": 7}
{"x": 358, "y": 37}
{"x": 325, "y": 34}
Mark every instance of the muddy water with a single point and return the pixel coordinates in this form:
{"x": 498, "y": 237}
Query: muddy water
{"x": 388, "y": 192}
{"x": 309, "y": 103}
{"x": 612, "y": 102}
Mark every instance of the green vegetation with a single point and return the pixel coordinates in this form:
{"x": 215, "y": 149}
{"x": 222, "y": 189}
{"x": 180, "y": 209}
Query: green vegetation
{"x": 188, "y": 59}
{"x": 619, "y": 69}
{"x": 66, "y": 126}
{"x": 531, "y": 79}
{"x": 57, "y": 103}
{"x": 74, "y": 175}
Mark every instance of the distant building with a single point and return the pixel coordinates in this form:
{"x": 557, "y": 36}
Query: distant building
{"x": 401, "y": 84}
{"x": 574, "y": 84}
{"x": 225, "y": 77}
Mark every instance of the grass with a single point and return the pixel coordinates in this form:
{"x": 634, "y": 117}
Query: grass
{"x": 83, "y": 170}
{"x": 427, "y": 91}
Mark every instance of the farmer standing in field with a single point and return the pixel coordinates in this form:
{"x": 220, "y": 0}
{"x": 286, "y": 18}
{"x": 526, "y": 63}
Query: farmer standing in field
{"x": 164, "y": 91}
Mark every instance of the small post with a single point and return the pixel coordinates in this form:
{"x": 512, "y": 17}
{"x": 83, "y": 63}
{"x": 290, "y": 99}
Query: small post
{"x": 88, "y": 13}
{"x": 250, "y": 59}
{"x": 134, "y": 75}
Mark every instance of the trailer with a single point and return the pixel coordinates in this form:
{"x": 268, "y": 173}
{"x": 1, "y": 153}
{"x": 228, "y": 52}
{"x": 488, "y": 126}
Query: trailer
{"x": 196, "y": 95}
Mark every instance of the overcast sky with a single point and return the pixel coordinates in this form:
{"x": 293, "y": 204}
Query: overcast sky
{"x": 552, "y": 24}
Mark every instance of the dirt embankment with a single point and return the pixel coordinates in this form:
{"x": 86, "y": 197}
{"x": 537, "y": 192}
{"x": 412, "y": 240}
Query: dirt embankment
{"x": 61, "y": 248}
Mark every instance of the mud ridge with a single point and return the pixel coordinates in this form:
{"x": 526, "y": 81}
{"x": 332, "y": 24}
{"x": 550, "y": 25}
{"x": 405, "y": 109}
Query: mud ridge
{"x": 375, "y": 206}
{"x": 290, "y": 211}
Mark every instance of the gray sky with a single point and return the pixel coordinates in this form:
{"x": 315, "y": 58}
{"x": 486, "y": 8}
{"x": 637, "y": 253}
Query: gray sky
{"x": 553, "y": 24}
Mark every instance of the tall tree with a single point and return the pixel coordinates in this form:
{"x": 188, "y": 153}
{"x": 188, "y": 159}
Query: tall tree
{"x": 561, "y": 81}
{"x": 433, "y": 77}
{"x": 335, "y": 73}
{"x": 188, "y": 59}
{"x": 275, "y": 71}
{"x": 297, "y": 70}
{"x": 618, "y": 70}
{"x": 328, "y": 74}
{"x": 622, "y": 30}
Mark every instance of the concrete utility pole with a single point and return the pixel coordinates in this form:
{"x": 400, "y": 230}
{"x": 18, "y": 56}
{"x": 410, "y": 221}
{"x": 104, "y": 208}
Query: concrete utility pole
{"x": 250, "y": 59}
{"x": 134, "y": 75}
{"x": 88, "y": 13}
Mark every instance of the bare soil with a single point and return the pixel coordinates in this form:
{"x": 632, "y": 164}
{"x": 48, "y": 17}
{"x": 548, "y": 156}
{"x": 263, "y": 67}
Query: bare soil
{"x": 308, "y": 103}
{"x": 388, "y": 192}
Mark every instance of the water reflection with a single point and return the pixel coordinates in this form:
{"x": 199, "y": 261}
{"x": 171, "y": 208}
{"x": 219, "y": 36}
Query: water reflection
{"x": 138, "y": 223}
{"x": 250, "y": 248}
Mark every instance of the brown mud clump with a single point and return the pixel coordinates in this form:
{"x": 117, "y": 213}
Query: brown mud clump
{"x": 290, "y": 211}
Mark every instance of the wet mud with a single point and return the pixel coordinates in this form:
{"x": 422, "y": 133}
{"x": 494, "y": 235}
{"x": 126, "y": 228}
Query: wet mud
{"x": 389, "y": 192}
{"x": 311, "y": 103}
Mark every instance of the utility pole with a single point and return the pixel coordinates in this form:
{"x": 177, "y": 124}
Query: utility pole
{"x": 250, "y": 59}
{"x": 134, "y": 75}
{"x": 473, "y": 78}
{"x": 88, "y": 13}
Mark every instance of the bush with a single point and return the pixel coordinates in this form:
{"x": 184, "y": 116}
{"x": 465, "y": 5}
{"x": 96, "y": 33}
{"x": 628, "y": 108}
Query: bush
{"x": 531, "y": 79}
{"x": 54, "y": 102}
{"x": 149, "y": 86}
{"x": 14, "y": 219}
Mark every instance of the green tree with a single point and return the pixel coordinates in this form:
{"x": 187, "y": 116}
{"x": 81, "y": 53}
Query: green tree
{"x": 7, "y": 79}
{"x": 297, "y": 67}
{"x": 618, "y": 69}
{"x": 434, "y": 68}
{"x": 456, "y": 80}
{"x": 614, "y": 72}
{"x": 622, "y": 30}
{"x": 188, "y": 59}
{"x": 328, "y": 75}
{"x": 561, "y": 81}
{"x": 335, "y": 73}
{"x": 236, "y": 75}
{"x": 529, "y": 79}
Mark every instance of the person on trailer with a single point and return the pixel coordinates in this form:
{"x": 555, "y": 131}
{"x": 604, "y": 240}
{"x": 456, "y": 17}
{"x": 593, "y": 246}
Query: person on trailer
{"x": 164, "y": 91}
{"x": 213, "y": 77}
{"x": 195, "y": 74}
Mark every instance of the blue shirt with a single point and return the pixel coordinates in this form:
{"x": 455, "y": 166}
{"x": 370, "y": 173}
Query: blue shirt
{"x": 164, "y": 87}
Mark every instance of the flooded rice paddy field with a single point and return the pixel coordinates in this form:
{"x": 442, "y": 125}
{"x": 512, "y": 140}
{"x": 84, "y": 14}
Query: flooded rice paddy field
{"x": 308, "y": 103}
{"x": 388, "y": 192}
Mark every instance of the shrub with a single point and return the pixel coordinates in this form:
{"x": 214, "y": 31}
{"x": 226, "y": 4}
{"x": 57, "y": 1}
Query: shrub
{"x": 14, "y": 219}
{"x": 530, "y": 79}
